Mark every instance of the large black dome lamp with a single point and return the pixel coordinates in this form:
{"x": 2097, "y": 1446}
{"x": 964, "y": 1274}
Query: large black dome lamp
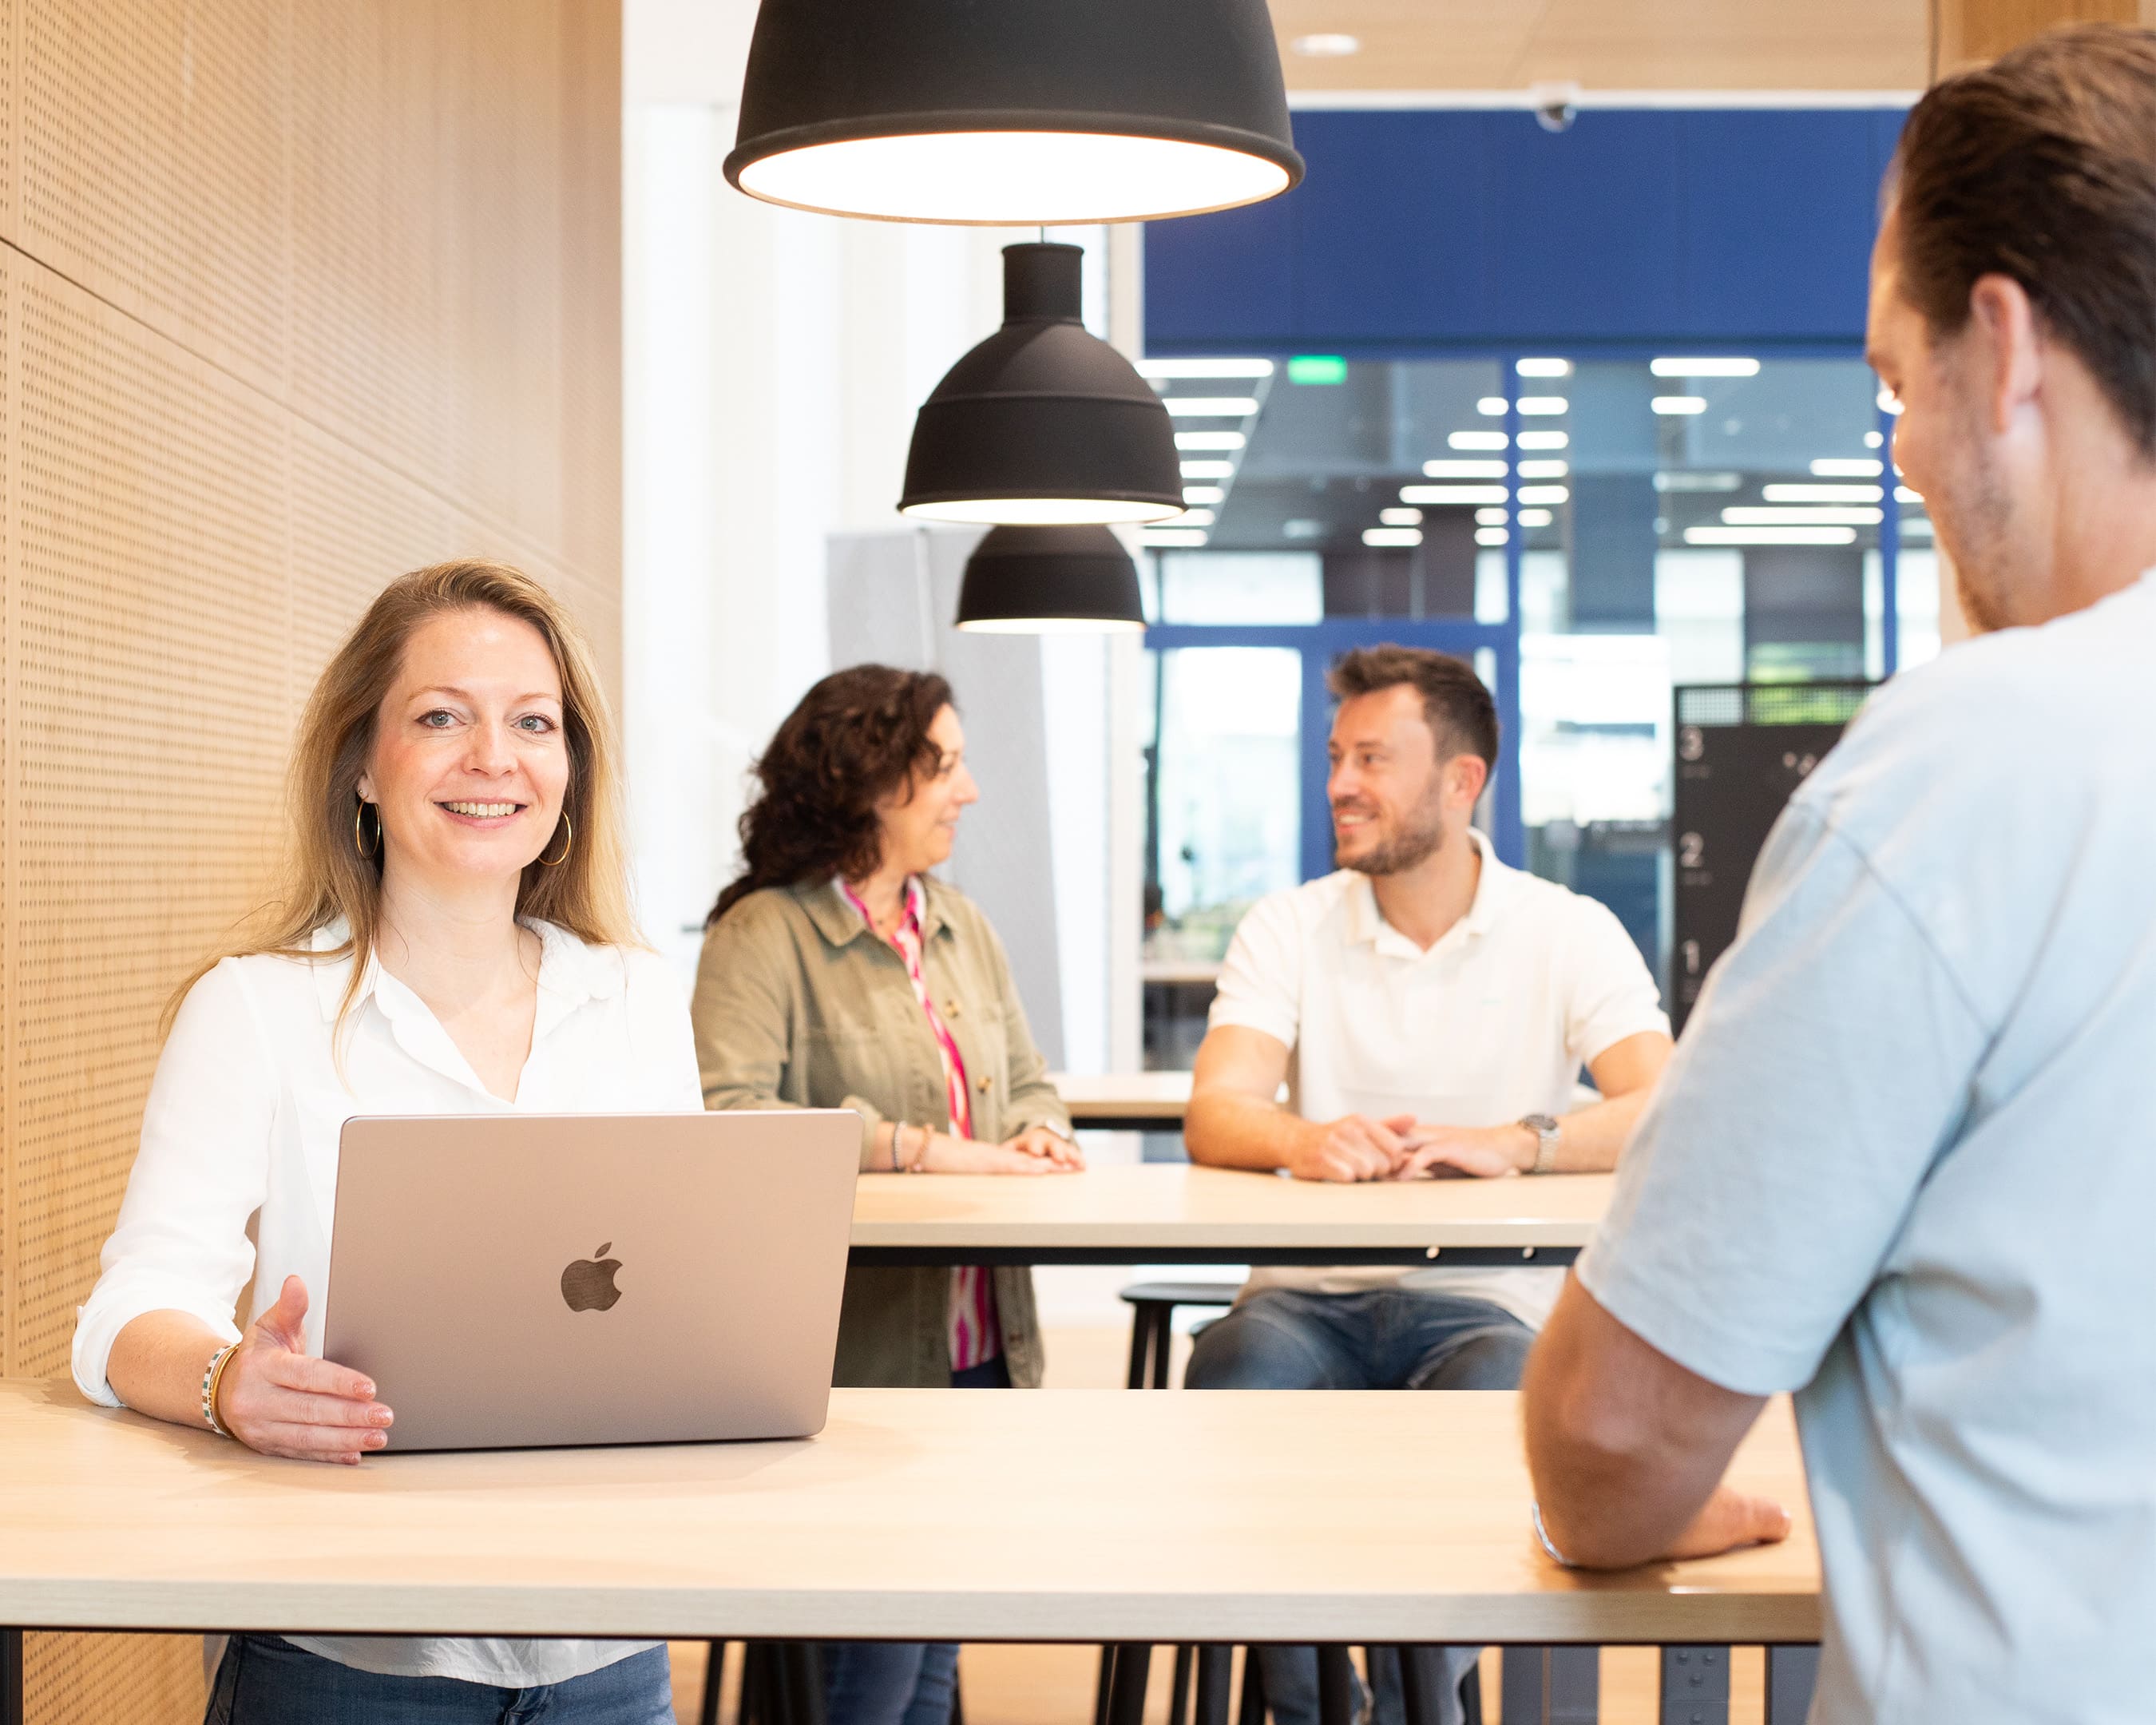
{"x": 1043, "y": 422}
{"x": 1014, "y": 112}
{"x": 1050, "y": 581}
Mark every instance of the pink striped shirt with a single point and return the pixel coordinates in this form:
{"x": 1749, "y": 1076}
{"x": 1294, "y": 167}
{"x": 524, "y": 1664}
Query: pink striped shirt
{"x": 976, "y": 1339}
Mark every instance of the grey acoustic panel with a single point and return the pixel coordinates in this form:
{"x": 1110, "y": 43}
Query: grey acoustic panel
{"x": 892, "y": 597}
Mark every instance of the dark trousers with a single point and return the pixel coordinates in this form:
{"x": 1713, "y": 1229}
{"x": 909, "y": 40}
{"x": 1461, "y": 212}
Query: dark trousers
{"x": 265, "y": 1681}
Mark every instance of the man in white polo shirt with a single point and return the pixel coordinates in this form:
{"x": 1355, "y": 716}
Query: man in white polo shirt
{"x": 1430, "y": 1009}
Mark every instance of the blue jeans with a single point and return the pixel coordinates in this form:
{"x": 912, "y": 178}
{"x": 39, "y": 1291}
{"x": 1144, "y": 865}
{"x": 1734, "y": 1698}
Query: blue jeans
{"x": 1388, "y": 1338}
{"x": 265, "y": 1681}
{"x": 901, "y": 1682}
{"x": 889, "y": 1683}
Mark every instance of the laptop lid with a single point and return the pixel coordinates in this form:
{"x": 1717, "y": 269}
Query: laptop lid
{"x": 525, "y": 1280}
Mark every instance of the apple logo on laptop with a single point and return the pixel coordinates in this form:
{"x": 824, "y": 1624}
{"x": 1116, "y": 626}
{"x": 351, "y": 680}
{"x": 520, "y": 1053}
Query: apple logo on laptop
{"x": 587, "y": 1284}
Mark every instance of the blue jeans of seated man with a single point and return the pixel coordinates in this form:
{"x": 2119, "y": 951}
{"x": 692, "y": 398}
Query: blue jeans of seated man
{"x": 265, "y": 1681}
{"x": 899, "y": 1682}
{"x": 1386, "y": 1338}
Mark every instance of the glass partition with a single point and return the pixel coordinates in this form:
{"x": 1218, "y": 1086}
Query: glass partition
{"x": 1669, "y": 519}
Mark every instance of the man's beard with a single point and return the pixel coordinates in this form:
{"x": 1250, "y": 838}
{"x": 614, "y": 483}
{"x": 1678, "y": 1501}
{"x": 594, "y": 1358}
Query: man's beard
{"x": 1973, "y": 516}
{"x": 1416, "y": 841}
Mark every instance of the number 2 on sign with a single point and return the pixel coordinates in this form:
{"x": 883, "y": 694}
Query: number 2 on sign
{"x": 1691, "y": 958}
{"x": 1692, "y": 850}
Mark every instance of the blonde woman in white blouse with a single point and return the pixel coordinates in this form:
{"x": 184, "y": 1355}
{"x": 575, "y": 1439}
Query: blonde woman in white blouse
{"x": 452, "y": 936}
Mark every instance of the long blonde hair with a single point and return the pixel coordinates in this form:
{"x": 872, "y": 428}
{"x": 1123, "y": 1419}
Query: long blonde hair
{"x": 324, "y": 877}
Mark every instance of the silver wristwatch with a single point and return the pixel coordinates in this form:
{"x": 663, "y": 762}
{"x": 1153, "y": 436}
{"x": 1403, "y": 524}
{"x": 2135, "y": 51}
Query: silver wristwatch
{"x": 1546, "y": 1135}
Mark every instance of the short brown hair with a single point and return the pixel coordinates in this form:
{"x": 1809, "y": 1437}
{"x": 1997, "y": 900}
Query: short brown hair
{"x": 1461, "y": 715}
{"x": 2041, "y": 166}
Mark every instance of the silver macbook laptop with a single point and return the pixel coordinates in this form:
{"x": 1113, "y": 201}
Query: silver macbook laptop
{"x": 517, "y": 1280}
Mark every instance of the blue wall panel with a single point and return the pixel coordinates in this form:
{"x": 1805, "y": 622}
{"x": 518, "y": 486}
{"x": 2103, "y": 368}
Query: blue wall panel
{"x": 1233, "y": 278}
{"x": 1588, "y": 223}
{"x": 1397, "y": 235}
{"x": 1422, "y": 230}
{"x": 1779, "y": 214}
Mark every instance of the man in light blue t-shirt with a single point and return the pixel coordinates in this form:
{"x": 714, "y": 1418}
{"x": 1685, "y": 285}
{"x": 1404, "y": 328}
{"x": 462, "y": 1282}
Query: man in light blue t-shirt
{"x": 1904, "y": 1161}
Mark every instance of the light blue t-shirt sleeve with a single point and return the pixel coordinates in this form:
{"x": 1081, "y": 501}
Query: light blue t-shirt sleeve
{"x": 1829, "y": 1063}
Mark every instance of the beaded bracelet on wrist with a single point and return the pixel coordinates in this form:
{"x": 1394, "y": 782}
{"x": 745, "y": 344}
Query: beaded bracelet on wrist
{"x": 211, "y": 1373}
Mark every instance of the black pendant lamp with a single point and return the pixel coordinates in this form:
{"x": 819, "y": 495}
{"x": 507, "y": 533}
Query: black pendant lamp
{"x": 1043, "y": 422}
{"x": 1013, "y": 112}
{"x": 1030, "y": 581}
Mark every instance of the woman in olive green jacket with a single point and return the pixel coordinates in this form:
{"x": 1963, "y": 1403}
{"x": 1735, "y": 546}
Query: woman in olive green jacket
{"x": 837, "y": 974}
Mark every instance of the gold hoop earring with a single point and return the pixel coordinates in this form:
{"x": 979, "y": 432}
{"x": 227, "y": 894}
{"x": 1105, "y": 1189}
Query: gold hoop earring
{"x": 358, "y": 834}
{"x": 568, "y": 839}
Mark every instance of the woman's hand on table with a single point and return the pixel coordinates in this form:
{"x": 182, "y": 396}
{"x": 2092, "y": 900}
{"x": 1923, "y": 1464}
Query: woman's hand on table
{"x": 277, "y": 1398}
{"x": 1035, "y": 1150}
{"x": 1059, "y": 1153}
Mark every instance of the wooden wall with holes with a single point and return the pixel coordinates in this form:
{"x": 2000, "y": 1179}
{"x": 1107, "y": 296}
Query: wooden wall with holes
{"x": 295, "y": 294}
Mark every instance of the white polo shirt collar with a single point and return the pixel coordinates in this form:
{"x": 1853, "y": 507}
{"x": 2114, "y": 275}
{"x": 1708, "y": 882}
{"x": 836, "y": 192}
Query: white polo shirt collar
{"x": 1366, "y": 924}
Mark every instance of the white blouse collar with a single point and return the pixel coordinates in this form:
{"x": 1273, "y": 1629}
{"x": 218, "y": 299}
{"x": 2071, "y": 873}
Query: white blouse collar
{"x": 570, "y": 972}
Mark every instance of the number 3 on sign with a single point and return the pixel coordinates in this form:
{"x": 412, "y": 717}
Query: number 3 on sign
{"x": 1692, "y": 850}
{"x": 1691, "y": 743}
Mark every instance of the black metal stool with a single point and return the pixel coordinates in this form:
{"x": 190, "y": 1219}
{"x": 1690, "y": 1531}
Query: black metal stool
{"x": 1152, "y": 1322}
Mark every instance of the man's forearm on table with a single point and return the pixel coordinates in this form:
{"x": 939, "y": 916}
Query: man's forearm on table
{"x": 1590, "y": 1140}
{"x": 1625, "y": 1446}
{"x": 1224, "y": 1129}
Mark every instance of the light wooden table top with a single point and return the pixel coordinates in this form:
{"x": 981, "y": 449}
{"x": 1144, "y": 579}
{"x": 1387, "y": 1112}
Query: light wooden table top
{"x": 1150, "y": 1097}
{"x": 1052, "y": 1515}
{"x": 1164, "y": 1212}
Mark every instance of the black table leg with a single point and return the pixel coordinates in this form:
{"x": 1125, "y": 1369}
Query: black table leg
{"x": 1792, "y": 1673}
{"x": 1695, "y": 1686}
{"x": 1550, "y": 1686}
{"x": 1336, "y": 1686}
{"x": 1250, "y": 1709}
{"x": 1215, "y": 1667}
{"x": 1179, "y": 1696}
{"x": 11, "y": 1676}
{"x": 1164, "y": 1344}
{"x": 715, "y": 1677}
{"x": 802, "y": 1678}
{"x": 1107, "y": 1675}
{"x": 1127, "y": 1689}
{"x": 1141, "y": 1338}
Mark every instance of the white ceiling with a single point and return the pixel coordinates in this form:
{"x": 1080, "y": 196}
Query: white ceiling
{"x": 693, "y": 51}
{"x": 1612, "y": 45}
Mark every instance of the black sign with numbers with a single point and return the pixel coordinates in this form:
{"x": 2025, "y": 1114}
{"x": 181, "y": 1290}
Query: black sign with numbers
{"x": 1741, "y": 750}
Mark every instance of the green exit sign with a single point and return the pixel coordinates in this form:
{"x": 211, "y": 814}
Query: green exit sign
{"x": 1317, "y": 368}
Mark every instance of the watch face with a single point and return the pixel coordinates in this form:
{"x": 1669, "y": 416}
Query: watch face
{"x": 1539, "y": 1123}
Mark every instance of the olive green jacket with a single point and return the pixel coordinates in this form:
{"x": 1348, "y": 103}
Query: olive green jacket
{"x": 798, "y": 1005}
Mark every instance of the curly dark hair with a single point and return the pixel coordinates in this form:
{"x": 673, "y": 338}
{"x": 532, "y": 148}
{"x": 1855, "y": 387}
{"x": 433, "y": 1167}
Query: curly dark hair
{"x": 854, "y": 738}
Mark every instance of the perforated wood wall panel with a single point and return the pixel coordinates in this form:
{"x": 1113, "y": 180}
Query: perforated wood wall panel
{"x": 147, "y": 685}
{"x": 114, "y": 1678}
{"x": 156, "y": 146}
{"x": 293, "y": 297}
